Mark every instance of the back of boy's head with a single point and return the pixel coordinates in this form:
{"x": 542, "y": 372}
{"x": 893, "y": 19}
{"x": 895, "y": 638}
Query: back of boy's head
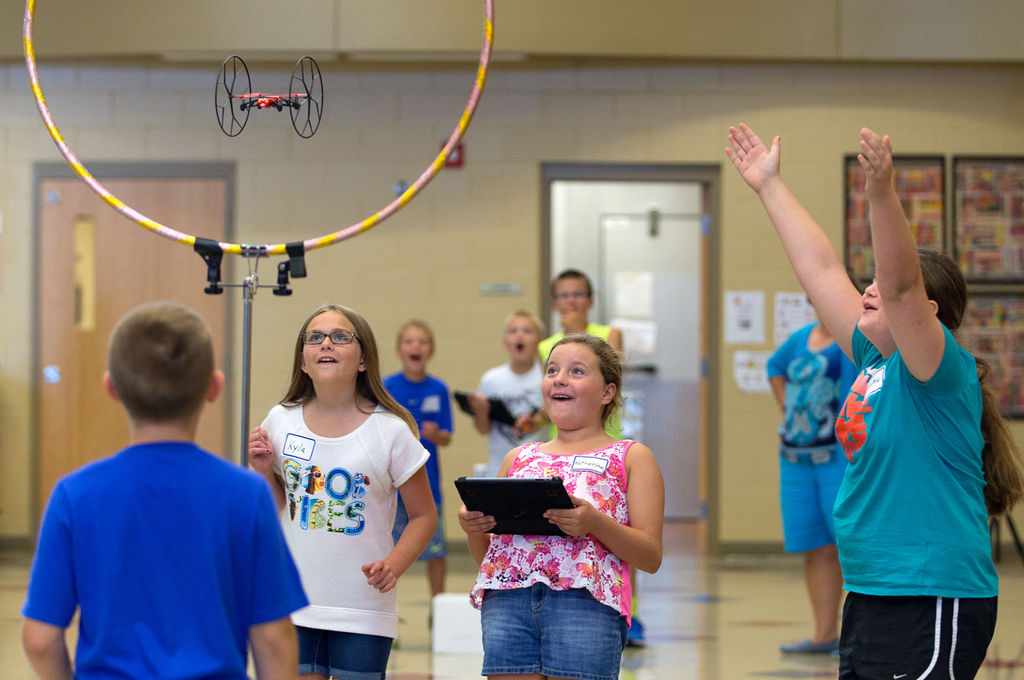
{"x": 569, "y": 274}
{"x": 160, "y": 360}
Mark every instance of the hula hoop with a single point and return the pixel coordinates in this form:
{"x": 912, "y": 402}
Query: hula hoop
{"x": 276, "y": 248}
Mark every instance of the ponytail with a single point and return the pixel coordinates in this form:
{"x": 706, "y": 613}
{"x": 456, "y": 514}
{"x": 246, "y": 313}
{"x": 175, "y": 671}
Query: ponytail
{"x": 1000, "y": 458}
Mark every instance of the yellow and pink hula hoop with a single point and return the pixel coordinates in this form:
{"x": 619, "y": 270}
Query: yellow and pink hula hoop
{"x": 276, "y": 248}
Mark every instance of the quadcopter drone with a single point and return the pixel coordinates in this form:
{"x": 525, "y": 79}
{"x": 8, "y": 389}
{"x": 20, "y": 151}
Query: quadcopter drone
{"x": 234, "y": 99}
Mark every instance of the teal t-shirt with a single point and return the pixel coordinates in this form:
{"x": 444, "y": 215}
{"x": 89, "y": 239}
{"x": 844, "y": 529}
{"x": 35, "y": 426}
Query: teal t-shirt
{"x": 910, "y": 517}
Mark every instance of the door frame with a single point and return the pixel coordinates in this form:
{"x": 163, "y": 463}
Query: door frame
{"x": 116, "y": 170}
{"x": 709, "y": 177}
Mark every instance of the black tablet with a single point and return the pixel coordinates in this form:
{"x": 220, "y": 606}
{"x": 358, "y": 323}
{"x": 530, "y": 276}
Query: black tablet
{"x": 518, "y": 505}
{"x": 499, "y": 412}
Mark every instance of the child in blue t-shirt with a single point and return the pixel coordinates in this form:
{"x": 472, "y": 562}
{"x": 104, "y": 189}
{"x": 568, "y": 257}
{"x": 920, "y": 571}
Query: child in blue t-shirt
{"x": 172, "y": 556}
{"x": 427, "y": 399}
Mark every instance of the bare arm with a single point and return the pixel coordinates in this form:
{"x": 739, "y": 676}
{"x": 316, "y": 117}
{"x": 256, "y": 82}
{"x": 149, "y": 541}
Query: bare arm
{"x": 275, "y": 650}
{"x": 909, "y": 314}
{"x": 46, "y": 650}
{"x": 615, "y": 339}
{"x": 814, "y": 260}
{"x": 435, "y": 434}
{"x": 640, "y": 543}
{"x": 419, "y": 503}
{"x": 481, "y": 406}
{"x": 778, "y": 383}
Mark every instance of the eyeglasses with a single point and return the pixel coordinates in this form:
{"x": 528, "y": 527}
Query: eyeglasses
{"x": 574, "y": 295}
{"x": 338, "y": 337}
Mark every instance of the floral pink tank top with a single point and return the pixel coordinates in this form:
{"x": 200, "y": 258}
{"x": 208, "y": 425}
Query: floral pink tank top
{"x": 564, "y": 562}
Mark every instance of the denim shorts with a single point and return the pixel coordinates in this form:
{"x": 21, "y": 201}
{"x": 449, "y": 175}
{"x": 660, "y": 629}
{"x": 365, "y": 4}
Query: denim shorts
{"x": 436, "y": 549}
{"x": 353, "y": 656}
{"x": 556, "y": 633}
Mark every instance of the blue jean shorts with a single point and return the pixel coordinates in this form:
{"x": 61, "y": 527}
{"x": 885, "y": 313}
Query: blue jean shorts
{"x": 557, "y": 633}
{"x": 352, "y": 656}
{"x": 436, "y": 549}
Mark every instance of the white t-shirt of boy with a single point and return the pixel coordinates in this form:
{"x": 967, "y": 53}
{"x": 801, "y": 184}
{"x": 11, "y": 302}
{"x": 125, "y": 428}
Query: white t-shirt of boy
{"x": 521, "y": 394}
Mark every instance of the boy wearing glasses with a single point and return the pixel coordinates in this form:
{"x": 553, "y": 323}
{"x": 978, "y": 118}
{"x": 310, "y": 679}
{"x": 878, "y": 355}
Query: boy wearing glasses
{"x": 572, "y": 297}
{"x": 173, "y": 557}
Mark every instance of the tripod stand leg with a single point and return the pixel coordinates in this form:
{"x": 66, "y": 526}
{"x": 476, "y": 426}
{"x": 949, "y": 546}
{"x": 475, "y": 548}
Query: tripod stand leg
{"x": 1016, "y": 537}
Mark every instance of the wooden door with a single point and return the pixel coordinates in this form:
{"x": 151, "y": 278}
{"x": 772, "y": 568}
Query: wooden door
{"x": 95, "y": 265}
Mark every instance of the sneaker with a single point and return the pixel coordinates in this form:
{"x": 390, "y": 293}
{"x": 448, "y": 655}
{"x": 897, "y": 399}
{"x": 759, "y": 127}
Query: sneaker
{"x": 807, "y": 647}
{"x": 635, "y": 634}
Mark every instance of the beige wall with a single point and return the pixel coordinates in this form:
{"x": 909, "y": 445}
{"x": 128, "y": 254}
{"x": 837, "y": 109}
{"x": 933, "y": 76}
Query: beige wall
{"x": 829, "y": 30}
{"x": 480, "y": 223}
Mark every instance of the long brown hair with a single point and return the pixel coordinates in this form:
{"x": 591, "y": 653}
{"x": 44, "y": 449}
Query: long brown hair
{"x": 369, "y": 386}
{"x": 1000, "y": 458}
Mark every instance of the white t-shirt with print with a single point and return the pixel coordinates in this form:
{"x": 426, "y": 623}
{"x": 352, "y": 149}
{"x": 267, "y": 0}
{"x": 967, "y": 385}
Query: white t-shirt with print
{"x": 340, "y": 496}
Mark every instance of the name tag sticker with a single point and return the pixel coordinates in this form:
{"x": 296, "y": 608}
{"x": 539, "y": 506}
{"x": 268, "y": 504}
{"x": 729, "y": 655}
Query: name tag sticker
{"x": 297, "y": 446}
{"x": 431, "y": 404}
{"x": 589, "y": 464}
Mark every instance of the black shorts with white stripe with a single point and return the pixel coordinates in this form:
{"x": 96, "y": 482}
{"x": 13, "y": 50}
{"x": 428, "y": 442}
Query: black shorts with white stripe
{"x": 895, "y": 637}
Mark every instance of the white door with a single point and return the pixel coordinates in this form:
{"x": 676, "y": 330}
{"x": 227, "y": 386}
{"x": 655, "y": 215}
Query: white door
{"x": 643, "y": 245}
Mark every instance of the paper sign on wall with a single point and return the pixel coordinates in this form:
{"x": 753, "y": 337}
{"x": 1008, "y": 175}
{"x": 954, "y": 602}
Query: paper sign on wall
{"x": 634, "y": 294}
{"x": 792, "y": 311}
{"x": 749, "y": 371}
{"x": 744, "y": 317}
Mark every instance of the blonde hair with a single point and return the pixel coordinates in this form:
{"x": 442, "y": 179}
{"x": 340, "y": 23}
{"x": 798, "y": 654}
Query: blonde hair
{"x": 369, "y": 386}
{"x": 529, "y": 316}
{"x": 421, "y": 325}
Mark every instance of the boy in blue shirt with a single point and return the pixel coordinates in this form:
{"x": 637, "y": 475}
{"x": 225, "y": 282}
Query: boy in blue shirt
{"x": 427, "y": 398}
{"x": 173, "y": 557}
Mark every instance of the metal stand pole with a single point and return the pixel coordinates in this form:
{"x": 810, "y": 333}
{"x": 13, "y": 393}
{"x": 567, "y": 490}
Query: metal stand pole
{"x": 248, "y": 291}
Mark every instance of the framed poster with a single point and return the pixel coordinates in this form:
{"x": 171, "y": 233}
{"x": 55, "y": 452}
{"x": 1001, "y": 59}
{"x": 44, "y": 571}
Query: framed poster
{"x": 921, "y": 185}
{"x": 988, "y": 218}
{"x": 993, "y": 330}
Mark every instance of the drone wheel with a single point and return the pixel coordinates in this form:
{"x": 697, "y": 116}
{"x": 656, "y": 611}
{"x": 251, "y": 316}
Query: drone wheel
{"x": 232, "y": 81}
{"x": 306, "y": 92}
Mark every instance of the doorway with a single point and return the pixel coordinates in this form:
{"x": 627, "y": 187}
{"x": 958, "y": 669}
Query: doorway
{"x": 93, "y": 266}
{"x": 642, "y": 235}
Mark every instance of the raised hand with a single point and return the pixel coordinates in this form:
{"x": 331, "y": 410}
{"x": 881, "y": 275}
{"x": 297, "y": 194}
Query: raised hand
{"x": 261, "y": 452}
{"x": 756, "y": 163}
{"x": 875, "y": 160}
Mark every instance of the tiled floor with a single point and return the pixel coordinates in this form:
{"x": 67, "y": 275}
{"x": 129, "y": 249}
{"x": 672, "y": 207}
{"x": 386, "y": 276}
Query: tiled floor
{"x": 707, "y": 619}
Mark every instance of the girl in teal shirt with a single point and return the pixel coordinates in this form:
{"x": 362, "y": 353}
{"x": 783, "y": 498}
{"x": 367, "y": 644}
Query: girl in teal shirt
{"x": 930, "y": 457}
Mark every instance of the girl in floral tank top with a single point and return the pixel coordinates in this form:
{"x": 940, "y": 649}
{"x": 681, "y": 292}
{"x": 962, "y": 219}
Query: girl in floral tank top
{"x": 559, "y": 606}
{"x": 516, "y": 561}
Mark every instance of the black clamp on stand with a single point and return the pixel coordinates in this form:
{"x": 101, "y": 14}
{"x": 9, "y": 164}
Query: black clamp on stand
{"x": 211, "y": 253}
{"x": 295, "y": 266}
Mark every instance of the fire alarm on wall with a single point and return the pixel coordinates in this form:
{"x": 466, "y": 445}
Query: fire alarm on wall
{"x": 456, "y": 157}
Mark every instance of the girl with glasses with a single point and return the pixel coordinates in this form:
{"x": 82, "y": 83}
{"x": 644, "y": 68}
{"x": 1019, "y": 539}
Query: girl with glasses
{"x": 335, "y": 451}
